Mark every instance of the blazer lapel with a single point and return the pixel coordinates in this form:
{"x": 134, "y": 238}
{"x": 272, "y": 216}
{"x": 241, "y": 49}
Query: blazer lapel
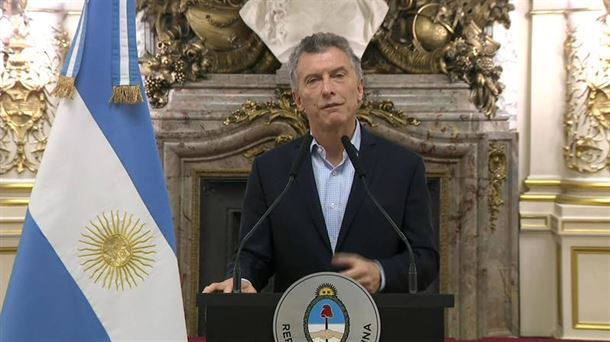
{"x": 307, "y": 187}
{"x": 368, "y": 157}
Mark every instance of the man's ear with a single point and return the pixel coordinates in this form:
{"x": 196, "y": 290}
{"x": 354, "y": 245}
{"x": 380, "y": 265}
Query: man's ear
{"x": 360, "y": 90}
{"x": 297, "y": 100}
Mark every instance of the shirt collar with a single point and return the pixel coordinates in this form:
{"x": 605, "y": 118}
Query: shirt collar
{"x": 356, "y": 139}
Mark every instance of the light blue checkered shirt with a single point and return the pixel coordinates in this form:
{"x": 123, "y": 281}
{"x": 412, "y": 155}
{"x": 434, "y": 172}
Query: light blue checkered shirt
{"x": 334, "y": 185}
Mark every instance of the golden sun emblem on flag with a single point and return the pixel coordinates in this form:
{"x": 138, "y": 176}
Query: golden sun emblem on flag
{"x": 117, "y": 251}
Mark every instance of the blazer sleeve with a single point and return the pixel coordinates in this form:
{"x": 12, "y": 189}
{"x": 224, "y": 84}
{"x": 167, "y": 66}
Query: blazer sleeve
{"x": 417, "y": 226}
{"x": 257, "y": 255}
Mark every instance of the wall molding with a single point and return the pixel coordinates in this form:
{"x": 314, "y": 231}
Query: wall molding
{"x": 534, "y": 222}
{"x": 566, "y": 184}
{"x": 18, "y": 186}
{"x": 563, "y": 11}
{"x": 14, "y": 202}
{"x": 574, "y": 253}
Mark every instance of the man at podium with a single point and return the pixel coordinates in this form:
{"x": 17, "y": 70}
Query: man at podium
{"x": 326, "y": 221}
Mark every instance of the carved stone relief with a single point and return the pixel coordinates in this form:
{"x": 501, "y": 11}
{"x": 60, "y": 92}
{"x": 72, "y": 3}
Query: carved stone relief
{"x": 497, "y": 177}
{"x": 26, "y": 77}
{"x": 445, "y": 36}
{"x": 195, "y": 38}
{"x": 587, "y": 118}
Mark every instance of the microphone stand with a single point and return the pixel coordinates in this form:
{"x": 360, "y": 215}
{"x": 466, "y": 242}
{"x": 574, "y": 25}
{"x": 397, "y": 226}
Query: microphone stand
{"x": 353, "y": 157}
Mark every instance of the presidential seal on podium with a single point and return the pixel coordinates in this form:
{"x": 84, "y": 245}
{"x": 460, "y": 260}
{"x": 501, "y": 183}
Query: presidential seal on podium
{"x": 326, "y": 307}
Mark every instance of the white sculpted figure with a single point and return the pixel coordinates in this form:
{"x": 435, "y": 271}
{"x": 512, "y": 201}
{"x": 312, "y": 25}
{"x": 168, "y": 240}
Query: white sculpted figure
{"x": 281, "y": 24}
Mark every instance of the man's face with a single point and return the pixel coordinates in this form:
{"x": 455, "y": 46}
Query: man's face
{"x": 328, "y": 89}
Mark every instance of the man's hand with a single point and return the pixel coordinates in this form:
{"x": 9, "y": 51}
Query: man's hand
{"x": 362, "y": 270}
{"x": 227, "y": 287}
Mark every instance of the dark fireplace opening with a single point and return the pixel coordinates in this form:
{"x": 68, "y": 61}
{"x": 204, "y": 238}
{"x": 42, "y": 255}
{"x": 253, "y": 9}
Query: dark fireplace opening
{"x": 220, "y": 214}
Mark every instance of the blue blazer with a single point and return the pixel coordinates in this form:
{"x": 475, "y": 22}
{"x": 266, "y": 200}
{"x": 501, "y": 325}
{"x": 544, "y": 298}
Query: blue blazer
{"x": 293, "y": 241}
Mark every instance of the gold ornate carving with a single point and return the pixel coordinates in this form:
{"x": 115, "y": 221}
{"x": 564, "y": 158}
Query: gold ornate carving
{"x": 410, "y": 39}
{"x": 283, "y": 110}
{"x": 256, "y": 151}
{"x": 471, "y": 59}
{"x": 26, "y": 110}
{"x": 370, "y": 111}
{"x": 497, "y": 175}
{"x": 587, "y": 118}
{"x": 430, "y": 36}
{"x": 444, "y": 36}
{"x": 197, "y": 37}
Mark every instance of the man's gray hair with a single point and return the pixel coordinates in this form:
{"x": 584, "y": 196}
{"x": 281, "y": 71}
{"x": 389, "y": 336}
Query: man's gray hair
{"x": 318, "y": 43}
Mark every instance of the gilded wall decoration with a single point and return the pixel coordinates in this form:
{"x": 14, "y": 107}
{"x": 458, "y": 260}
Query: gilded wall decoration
{"x": 497, "y": 175}
{"x": 285, "y": 110}
{"x": 370, "y": 111}
{"x": 587, "y": 117}
{"x": 282, "y": 110}
{"x": 26, "y": 108}
{"x": 444, "y": 36}
{"x": 471, "y": 59}
{"x": 197, "y": 37}
{"x": 431, "y": 36}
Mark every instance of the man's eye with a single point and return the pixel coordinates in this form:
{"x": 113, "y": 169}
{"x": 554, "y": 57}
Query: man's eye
{"x": 310, "y": 81}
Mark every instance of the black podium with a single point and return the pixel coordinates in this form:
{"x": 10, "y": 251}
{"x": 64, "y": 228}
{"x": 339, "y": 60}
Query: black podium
{"x": 249, "y": 317}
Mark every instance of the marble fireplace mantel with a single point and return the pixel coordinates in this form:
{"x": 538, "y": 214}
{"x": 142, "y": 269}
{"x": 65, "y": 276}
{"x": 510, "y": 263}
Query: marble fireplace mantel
{"x": 475, "y": 159}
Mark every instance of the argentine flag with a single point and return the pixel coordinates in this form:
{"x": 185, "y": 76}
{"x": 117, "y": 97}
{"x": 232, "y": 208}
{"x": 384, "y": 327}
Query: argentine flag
{"x": 97, "y": 257}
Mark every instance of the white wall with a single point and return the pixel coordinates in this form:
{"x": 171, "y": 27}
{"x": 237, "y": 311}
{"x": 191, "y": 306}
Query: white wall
{"x": 565, "y": 213}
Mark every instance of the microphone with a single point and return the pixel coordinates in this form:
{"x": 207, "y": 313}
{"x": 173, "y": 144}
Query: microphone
{"x": 353, "y": 157}
{"x": 303, "y": 151}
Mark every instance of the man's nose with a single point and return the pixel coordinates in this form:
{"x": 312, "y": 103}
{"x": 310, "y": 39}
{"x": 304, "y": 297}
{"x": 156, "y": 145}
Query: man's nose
{"x": 327, "y": 86}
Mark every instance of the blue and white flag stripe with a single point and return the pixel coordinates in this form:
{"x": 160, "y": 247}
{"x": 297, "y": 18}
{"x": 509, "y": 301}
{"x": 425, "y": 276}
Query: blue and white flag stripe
{"x": 61, "y": 310}
{"x": 124, "y": 50}
{"x": 69, "y": 193}
{"x": 75, "y": 53}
